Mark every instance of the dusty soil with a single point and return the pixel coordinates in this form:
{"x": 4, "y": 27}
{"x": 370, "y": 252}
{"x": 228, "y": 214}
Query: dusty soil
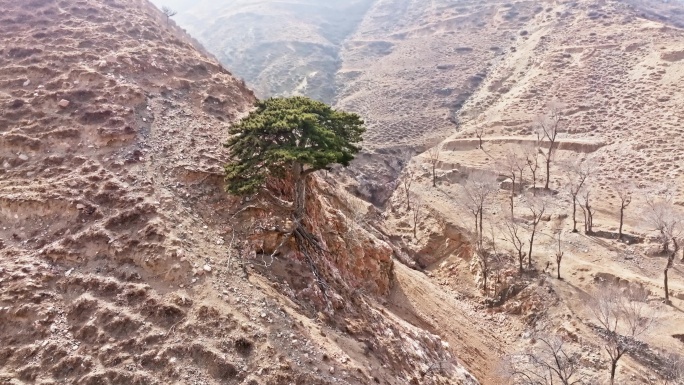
{"x": 122, "y": 259}
{"x": 620, "y": 96}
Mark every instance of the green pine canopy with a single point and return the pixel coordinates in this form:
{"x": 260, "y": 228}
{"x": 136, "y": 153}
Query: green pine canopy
{"x": 286, "y": 132}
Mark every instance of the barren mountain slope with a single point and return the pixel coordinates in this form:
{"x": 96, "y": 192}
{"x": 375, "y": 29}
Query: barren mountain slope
{"x": 279, "y": 48}
{"x": 617, "y": 76}
{"x": 123, "y": 261}
{"x": 411, "y": 64}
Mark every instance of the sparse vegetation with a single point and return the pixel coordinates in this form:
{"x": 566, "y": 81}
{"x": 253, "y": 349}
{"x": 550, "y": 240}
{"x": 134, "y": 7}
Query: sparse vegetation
{"x": 548, "y": 128}
{"x": 433, "y": 158}
{"x": 537, "y": 206}
{"x": 624, "y": 190}
{"x": 169, "y": 13}
{"x": 407, "y": 182}
{"x": 513, "y": 165}
{"x": 577, "y": 172}
{"x": 559, "y": 254}
{"x": 549, "y": 362}
{"x": 532, "y": 157}
{"x": 513, "y": 233}
{"x": 477, "y": 192}
{"x": 587, "y": 209}
{"x": 623, "y": 317}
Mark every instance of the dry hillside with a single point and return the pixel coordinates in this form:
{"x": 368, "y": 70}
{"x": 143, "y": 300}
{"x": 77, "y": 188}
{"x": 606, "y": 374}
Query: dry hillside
{"x": 615, "y": 73}
{"x": 122, "y": 259}
{"x": 279, "y": 48}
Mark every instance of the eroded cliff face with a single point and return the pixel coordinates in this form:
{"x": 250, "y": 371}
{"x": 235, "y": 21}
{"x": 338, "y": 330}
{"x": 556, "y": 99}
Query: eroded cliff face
{"x": 122, "y": 259}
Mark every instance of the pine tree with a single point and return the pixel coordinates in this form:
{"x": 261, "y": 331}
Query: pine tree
{"x": 293, "y": 136}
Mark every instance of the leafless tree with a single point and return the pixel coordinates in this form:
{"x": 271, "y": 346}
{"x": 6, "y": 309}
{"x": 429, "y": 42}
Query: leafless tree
{"x": 513, "y": 165}
{"x": 417, "y": 213}
{"x": 479, "y": 132}
{"x": 548, "y": 128}
{"x": 624, "y": 190}
{"x": 559, "y": 254}
{"x": 513, "y": 233}
{"x": 577, "y": 171}
{"x": 547, "y": 363}
{"x": 478, "y": 190}
{"x": 664, "y": 216}
{"x": 673, "y": 232}
{"x": 407, "y": 181}
{"x": 169, "y": 13}
{"x": 537, "y": 205}
{"x": 488, "y": 258}
{"x": 623, "y": 316}
{"x": 661, "y": 214}
{"x": 532, "y": 157}
{"x": 587, "y": 209}
{"x": 433, "y": 155}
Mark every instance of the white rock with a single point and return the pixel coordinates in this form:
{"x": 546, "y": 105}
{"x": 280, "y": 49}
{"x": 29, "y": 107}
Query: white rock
{"x": 23, "y": 157}
{"x": 63, "y": 103}
{"x": 27, "y": 83}
{"x": 207, "y": 268}
{"x": 80, "y": 206}
{"x": 68, "y": 273}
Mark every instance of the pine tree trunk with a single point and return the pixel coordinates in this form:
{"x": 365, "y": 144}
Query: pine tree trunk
{"x": 300, "y": 191}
